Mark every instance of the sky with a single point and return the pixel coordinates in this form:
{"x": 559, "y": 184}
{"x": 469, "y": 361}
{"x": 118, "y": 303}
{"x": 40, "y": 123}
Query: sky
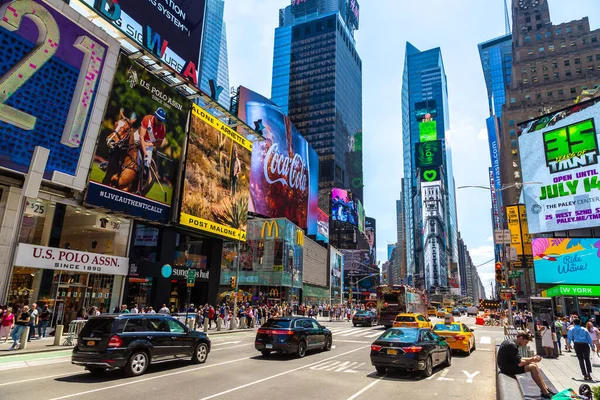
{"x": 456, "y": 26}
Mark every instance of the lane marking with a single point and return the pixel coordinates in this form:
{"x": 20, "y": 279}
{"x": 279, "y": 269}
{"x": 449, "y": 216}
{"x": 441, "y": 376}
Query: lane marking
{"x": 432, "y": 376}
{"x": 374, "y": 334}
{"x": 483, "y": 348}
{"x": 278, "y": 375}
{"x": 349, "y": 332}
{"x": 369, "y": 386}
{"x": 443, "y": 376}
{"x": 470, "y": 376}
{"x": 351, "y": 341}
{"x": 35, "y": 379}
{"x": 150, "y": 378}
{"x": 221, "y": 344}
{"x": 232, "y": 347}
{"x": 485, "y": 340}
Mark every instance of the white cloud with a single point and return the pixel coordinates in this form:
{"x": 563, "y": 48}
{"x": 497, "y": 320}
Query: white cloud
{"x": 490, "y": 239}
{"x": 483, "y": 135}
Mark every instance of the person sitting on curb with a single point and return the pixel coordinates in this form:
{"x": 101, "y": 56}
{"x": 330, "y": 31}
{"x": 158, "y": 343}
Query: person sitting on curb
{"x": 511, "y": 363}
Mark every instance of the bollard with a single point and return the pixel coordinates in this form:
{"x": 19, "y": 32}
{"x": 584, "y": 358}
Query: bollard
{"x": 58, "y": 331}
{"x": 242, "y": 323}
{"x": 232, "y": 323}
{"x": 205, "y": 324}
{"x": 23, "y": 339}
{"x": 219, "y": 324}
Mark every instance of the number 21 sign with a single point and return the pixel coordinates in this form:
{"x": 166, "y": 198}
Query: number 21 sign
{"x": 50, "y": 68}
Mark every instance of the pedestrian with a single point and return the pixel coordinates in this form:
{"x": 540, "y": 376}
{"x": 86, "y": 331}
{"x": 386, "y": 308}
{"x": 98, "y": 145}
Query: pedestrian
{"x": 8, "y": 323}
{"x": 555, "y": 337}
{"x": 547, "y": 342}
{"x": 44, "y": 320}
{"x": 583, "y": 341}
{"x": 34, "y": 313}
{"x": 565, "y": 332}
{"x": 150, "y": 310}
{"x": 124, "y": 309}
{"x": 164, "y": 310}
{"x": 20, "y": 325}
{"x": 510, "y": 363}
{"x": 135, "y": 309}
{"x": 594, "y": 334}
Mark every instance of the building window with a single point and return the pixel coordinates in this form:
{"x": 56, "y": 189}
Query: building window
{"x": 590, "y": 58}
{"x": 573, "y": 90}
{"x": 558, "y": 31}
{"x": 534, "y": 79}
{"x": 527, "y": 39}
{"x": 577, "y": 61}
{"x": 568, "y": 72}
{"x": 527, "y": 19}
{"x": 538, "y": 17}
{"x": 544, "y": 67}
{"x": 539, "y": 26}
{"x": 513, "y": 143}
{"x": 563, "y": 44}
{"x": 567, "y": 63}
{"x": 524, "y": 70}
{"x": 580, "y": 27}
{"x": 597, "y": 57}
{"x": 527, "y": 97}
{"x": 548, "y": 34}
{"x": 551, "y": 47}
{"x": 591, "y": 68}
{"x": 556, "y": 75}
{"x": 561, "y": 92}
{"x": 533, "y": 69}
{"x": 568, "y": 29}
{"x": 594, "y": 39}
{"x": 525, "y": 80}
{"x": 530, "y": 51}
{"x": 554, "y": 64}
{"x": 511, "y": 122}
{"x": 538, "y": 95}
{"x": 541, "y": 49}
{"x": 512, "y": 133}
{"x": 538, "y": 36}
{"x": 513, "y": 100}
{"x": 573, "y": 44}
{"x": 546, "y": 77}
{"x": 550, "y": 94}
{"x": 578, "y": 71}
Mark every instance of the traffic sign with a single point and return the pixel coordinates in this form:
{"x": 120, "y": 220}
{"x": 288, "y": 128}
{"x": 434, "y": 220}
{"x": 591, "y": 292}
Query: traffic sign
{"x": 515, "y": 274}
{"x": 191, "y": 277}
{"x": 507, "y": 290}
{"x": 502, "y": 236}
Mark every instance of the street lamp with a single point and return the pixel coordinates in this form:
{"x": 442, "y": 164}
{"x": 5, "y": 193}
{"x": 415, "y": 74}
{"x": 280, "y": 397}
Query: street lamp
{"x": 504, "y": 187}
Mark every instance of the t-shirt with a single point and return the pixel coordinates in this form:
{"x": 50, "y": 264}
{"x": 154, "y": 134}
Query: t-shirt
{"x": 508, "y": 355}
{"x": 33, "y": 314}
{"x": 7, "y": 320}
{"x": 24, "y": 316}
{"x": 155, "y": 133}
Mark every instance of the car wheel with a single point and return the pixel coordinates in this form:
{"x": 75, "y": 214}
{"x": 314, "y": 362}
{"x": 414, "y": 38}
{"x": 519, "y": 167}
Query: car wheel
{"x": 354, "y": 325}
{"x": 328, "y": 341}
{"x": 448, "y": 361}
{"x": 137, "y": 364}
{"x": 380, "y": 369}
{"x": 428, "y": 371}
{"x": 301, "y": 352}
{"x": 96, "y": 370}
{"x": 265, "y": 353}
{"x": 474, "y": 344}
{"x": 200, "y": 353}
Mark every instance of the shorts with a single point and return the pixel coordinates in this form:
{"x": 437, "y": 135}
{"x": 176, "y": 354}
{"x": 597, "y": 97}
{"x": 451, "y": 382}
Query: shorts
{"x": 513, "y": 370}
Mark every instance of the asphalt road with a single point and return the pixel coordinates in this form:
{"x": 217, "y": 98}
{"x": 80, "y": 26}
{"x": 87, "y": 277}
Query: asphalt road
{"x": 235, "y": 370}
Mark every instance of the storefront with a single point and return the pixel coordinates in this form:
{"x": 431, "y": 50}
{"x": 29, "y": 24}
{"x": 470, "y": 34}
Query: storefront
{"x": 270, "y": 263}
{"x": 160, "y": 259}
{"x": 580, "y": 299}
{"x": 315, "y": 295}
{"x": 69, "y": 258}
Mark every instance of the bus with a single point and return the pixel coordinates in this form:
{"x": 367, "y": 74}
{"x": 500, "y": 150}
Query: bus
{"x": 395, "y": 299}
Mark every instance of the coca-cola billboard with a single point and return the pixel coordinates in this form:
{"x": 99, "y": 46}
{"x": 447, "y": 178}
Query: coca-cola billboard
{"x": 284, "y": 172}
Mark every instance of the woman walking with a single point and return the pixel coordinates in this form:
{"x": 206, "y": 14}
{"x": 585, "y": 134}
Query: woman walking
{"x": 547, "y": 342}
{"x": 8, "y": 322}
{"x": 594, "y": 333}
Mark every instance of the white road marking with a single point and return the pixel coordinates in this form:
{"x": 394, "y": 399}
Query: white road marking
{"x": 232, "y": 347}
{"x": 484, "y": 349}
{"x": 470, "y": 376}
{"x": 221, "y": 344}
{"x": 35, "y": 379}
{"x": 369, "y": 386}
{"x": 485, "y": 340}
{"x": 277, "y": 375}
{"x": 374, "y": 334}
{"x": 443, "y": 376}
{"x": 432, "y": 376}
{"x": 34, "y": 363}
{"x": 351, "y": 341}
{"x": 150, "y": 378}
{"x": 353, "y": 371}
{"x": 349, "y": 332}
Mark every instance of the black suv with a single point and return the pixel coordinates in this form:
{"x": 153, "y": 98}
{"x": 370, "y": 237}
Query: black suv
{"x": 133, "y": 341}
{"x": 292, "y": 335}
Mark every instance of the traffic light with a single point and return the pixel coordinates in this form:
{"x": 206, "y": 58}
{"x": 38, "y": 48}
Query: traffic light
{"x": 499, "y": 277}
{"x": 232, "y": 281}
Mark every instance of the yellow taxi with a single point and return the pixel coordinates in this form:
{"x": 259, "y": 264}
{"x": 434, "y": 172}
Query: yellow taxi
{"x": 441, "y": 313}
{"x": 449, "y": 310}
{"x": 457, "y": 335}
{"x": 431, "y": 311}
{"x": 410, "y": 320}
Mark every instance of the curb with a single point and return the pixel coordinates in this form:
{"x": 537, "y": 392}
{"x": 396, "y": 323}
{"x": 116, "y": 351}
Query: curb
{"x": 50, "y": 349}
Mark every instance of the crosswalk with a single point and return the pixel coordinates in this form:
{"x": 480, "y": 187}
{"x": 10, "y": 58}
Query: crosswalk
{"x": 377, "y": 331}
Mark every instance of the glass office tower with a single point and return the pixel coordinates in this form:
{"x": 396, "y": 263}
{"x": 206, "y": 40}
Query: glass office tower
{"x": 431, "y": 223}
{"x": 214, "y": 62}
{"x": 317, "y": 80}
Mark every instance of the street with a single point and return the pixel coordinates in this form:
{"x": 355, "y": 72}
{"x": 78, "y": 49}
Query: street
{"x": 236, "y": 370}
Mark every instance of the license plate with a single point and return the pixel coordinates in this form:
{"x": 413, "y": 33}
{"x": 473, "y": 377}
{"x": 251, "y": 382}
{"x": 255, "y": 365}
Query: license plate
{"x": 268, "y": 346}
{"x": 91, "y": 343}
{"x": 360, "y": 319}
{"x": 392, "y": 352}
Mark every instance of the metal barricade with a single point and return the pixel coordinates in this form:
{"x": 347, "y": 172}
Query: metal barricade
{"x": 75, "y": 328}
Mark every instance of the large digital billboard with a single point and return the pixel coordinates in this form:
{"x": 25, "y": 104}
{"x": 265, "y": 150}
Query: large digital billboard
{"x": 217, "y": 178}
{"x": 559, "y": 156}
{"x": 169, "y": 29}
{"x": 322, "y": 226}
{"x": 344, "y": 208}
{"x": 361, "y": 217}
{"x": 51, "y": 69}
{"x": 429, "y": 154}
{"x": 336, "y": 265}
{"x": 371, "y": 233}
{"x": 136, "y": 163}
{"x": 284, "y": 174}
{"x": 566, "y": 261}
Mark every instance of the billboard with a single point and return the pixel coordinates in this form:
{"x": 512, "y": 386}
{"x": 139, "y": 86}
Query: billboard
{"x": 425, "y": 110}
{"x": 343, "y": 207}
{"x": 520, "y": 238}
{"x": 336, "y": 264}
{"x": 493, "y": 129}
{"x": 566, "y": 261}
{"x": 429, "y": 154}
{"x": 51, "y": 70}
{"x": 217, "y": 178}
{"x": 559, "y": 153}
{"x": 427, "y": 131}
{"x": 171, "y": 30}
{"x": 284, "y": 174}
{"x": 371, "y": 232}
{"x": 361, "y": 217}
{"x": 431, "y": 174}
{"x": 136, "y": 162}
{"x": 322, "y": 226}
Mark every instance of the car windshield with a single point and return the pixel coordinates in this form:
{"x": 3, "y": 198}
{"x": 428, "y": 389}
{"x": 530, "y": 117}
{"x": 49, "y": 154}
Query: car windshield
{"x": 97, "y": 325}
{"x": 401, "y": 335}
{"x": 405, "y": 318}
{"x": 444, "y": 327}
{"x": 277, "y": 323}
{"x": 361, "y": 313}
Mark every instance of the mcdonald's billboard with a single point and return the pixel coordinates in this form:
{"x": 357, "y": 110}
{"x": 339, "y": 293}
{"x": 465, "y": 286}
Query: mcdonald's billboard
{"x": 270, "y": 229}
{"x": 274, "y": 293}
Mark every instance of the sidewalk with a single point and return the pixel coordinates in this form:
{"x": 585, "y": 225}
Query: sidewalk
{"x": 561, "y": 370}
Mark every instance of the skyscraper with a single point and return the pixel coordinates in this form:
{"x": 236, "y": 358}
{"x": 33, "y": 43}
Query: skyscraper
{"x": 214, "y": 61}
{"x": 322, "y": 94}
{"x": 432, "y": 250}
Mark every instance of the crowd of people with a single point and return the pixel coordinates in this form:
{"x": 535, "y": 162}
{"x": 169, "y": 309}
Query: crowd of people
{"x": 13, "y": 323}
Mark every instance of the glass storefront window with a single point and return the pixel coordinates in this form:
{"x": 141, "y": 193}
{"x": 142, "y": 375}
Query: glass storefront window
{"x": 68, "y": 293}
{"x": 146, "y": 243}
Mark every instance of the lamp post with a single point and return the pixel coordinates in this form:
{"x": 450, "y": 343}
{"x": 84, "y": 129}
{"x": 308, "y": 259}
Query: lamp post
{"x": 503, "y": 188}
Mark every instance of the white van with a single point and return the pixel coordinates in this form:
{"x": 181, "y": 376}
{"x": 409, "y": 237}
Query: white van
{"x": 472, "y": 311}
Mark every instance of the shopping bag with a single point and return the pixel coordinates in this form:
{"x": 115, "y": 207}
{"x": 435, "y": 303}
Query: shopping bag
{"x": 595, "y": 360}
{"x": 567, "y": 394}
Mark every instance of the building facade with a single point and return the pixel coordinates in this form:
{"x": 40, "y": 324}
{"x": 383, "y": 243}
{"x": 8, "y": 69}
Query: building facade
{"x": 317, "y": 81}
{"x": 214, "y": 60}
{"x": 427, "y": 158}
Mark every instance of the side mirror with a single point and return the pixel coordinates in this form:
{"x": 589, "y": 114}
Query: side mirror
{"x": 472, "y": 330}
